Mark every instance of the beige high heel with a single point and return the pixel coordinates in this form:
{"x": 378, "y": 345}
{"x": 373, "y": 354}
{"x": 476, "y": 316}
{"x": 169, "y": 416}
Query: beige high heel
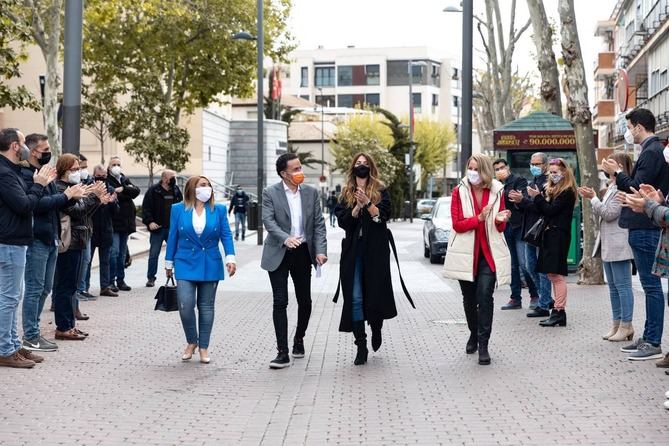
{"x": 188, "y": 353}
{"x": 204, "y": 356}
{"x": 614, "y": 330}
{"x": 625, "y": 333}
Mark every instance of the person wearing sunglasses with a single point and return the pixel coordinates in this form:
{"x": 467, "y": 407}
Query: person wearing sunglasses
{"x": 557, "y": 209}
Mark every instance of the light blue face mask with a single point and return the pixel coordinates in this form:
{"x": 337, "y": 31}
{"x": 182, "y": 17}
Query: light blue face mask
{"x": 535, "y": 171}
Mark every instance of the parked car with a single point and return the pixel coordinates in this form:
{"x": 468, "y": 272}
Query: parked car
{"x": 424, "y": 206}
{"x": 437, "y": 230}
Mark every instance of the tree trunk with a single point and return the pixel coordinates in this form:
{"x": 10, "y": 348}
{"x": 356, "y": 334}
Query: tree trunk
{"x": 493, "y": 66}
{"x": 543, "y": 41}
{"x": 578, "y": 113}
{"x": 51, "y": 102}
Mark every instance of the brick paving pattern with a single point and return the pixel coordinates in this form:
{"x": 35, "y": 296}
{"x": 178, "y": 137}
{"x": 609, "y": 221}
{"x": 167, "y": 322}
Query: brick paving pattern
{"x": 126, "y": 384}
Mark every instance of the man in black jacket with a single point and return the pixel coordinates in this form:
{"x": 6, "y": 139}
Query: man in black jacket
{"x": 123, "y": 222}
{"x": 521, "y": 200}
{"x": 156, "y": 210}
{"x": 17, "y": 203}
{"x": 514, "y": 238}
{"x": 43, "y": 251}
{"x": 238, "y": 205}
{"x": 644, "y": 235}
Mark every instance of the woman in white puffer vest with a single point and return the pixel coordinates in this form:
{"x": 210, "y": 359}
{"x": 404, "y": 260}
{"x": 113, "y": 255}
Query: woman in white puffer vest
{"x": 477, "y": 254}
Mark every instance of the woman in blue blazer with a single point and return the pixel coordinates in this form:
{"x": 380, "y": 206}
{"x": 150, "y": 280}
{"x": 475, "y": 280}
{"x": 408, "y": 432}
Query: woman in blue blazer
{"x": 196, "y": 226}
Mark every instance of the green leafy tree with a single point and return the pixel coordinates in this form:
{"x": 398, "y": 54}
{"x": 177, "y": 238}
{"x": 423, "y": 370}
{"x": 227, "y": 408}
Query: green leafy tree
{"x": 14, "y": 33}
{"x": 434, "y": 146}
{"x": 97, "y": 114}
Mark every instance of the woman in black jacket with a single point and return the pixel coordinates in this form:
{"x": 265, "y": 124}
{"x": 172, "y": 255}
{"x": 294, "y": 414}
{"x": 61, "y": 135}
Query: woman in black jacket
{"x": 363, "y": 210}
{"x": 75, "y": 235}
{"x": 557, "y": 209}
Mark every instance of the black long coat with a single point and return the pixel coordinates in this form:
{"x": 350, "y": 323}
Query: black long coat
{"x": 554, "y": 247}
{"x": 124, "y": 220}
{"x": 378, "y": 298}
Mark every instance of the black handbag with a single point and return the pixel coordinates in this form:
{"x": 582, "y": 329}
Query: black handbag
{"x": 166, "y": 297}
{"x": 535, "y": 234}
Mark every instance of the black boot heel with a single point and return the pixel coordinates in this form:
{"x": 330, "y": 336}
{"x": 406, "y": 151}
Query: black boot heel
{"x": 484, "y": 356}
{"x": 361, "y": 342}
{"x": 472, "y": 344}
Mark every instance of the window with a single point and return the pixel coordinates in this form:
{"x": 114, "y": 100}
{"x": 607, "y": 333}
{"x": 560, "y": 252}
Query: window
{"x": 654, "y": 82}
{"x": 345, "y": 100}
{"x": 325, "y": 76}
{"x": 435, "y": 102}
{"x": 304, "y": 77}
{"x": 664, "y": 80}
{"x": 417, "y": 73}
{"x": 345, "y": 75}
{"x": 417, "y": 102}
{"x": 305, "y": 97}
{"x": 325, "y": 100}
{"x": 456, "y": 101}
{"x": 373, "y": 74}
{"x": 373, "y": 99}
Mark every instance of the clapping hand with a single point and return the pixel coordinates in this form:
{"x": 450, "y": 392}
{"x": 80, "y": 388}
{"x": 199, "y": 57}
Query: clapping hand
{"x": 45, "y": 175}
{"x": 484, "y": 212}
{"x": 610, "y": 166}
{"x": 515, "y": 196}
{"x": 361, "y": 198}
{"x": 634, "y": 201}
{"x": 649, "y": 192}
{"x": 503, "y": 216}
{"x": 75, "y": 192}
{"x": 586, "y": 192}
{"x": 532, "y": 192}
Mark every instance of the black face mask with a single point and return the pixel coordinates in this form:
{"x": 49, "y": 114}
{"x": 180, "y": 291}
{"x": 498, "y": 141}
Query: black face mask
{"x": 361, "y": 171}
{"x": 44, "y": 160}
{"x": 100, "y": 178}
{"x": 172, "y": 182}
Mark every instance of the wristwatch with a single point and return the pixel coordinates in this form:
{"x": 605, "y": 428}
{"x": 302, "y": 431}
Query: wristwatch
{"x": 369, "y": 203}
{"x": 615, "y": 174}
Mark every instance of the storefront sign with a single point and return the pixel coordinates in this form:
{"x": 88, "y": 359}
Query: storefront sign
{"x": 539, "y": 140}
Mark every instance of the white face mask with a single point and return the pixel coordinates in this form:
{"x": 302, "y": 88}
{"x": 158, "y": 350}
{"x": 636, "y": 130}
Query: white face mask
{"x": 84, "y": 174}
{"x": 666, "y": 154}
{"x": 473, "y": 177}
{"x": 629, "y": 138}
{"x": 203, "y": 194}
{"x": 74, "y": 178}
{"x": 116, "y": 170}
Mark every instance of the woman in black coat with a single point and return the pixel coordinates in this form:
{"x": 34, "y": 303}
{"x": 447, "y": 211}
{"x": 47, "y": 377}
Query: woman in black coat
{"x": 363, "y": 210}
{"x": 557, "y": 209}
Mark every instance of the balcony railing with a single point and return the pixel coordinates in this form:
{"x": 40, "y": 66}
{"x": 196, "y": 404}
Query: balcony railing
{"x": 656, "y": 17}
{"x": 659, "y": 105}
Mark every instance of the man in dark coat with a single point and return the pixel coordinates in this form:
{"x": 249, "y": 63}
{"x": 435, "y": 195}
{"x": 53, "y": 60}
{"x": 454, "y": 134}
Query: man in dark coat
{"x": 522, "y": 202}
{"x": 156, "y": 210}
{"x": 238, "y": 204}
{"x": 84, "y": 272}
{"x": 123, "y": 222}
{"x": 103, "y": 236}
{"x": 331, "y": 204}
{"x": 514, "y": 238}
{"x": 644, "y": 235}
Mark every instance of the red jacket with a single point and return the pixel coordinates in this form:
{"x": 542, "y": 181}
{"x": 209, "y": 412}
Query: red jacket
{"x": 462, "y": 224}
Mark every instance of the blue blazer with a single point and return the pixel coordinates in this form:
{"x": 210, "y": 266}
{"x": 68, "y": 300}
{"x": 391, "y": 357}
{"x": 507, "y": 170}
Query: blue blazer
{"x": 198, "y": 257}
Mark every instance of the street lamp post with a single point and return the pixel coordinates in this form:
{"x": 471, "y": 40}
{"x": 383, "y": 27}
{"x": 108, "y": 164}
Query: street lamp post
{"x": 411, "y": 142}
{"x": 72, "y": 76}
{"x": 320, "y": 90}
{"x": 260, "y": 42}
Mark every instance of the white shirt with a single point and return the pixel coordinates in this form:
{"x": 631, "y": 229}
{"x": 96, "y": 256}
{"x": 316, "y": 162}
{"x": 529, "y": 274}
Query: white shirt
{"x": 199, "y": 221}
{"x": 295, "y": 203}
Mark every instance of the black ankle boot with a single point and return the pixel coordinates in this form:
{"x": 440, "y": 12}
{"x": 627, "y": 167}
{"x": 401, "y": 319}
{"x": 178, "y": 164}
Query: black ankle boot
{"x": 558, "y": 317}
{"x": 472, "y": 344}
{"x": 376, "y": 334}
{"x": 360, "y": 342}
{"x": 484, "y": 356}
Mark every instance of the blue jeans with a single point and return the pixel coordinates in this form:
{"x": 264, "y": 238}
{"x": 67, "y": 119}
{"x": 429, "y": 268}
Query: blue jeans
{"x": 518, "y": 264}
{"x": 619, "y": 278}
{"x": 156, "y": 240}
{"x": 240, "y": 220}
{"x": 333, "y": 217}
{"x": 118, "y": 252}
{"x": 65, "y": 288}
{"x": 12, "y": 269}
{"x": 545, "y": 299}
{"x": 644, "y": 244}
{"x": 204, "y": 294}
{"x": 357, "y": 295}
{"x": 84, "y": 271}
{"x": 104, "y": 255}
{"x": 40, "y": 269}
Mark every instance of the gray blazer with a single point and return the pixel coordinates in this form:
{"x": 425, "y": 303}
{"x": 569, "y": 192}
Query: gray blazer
{"x": 612, "y": 238}
{"x": 276, "y": 219}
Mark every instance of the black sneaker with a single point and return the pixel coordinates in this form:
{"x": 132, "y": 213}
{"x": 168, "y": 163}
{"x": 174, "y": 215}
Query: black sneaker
{"x": 298, "y": 348}
{"x": 281, "y": 361}
{"x": 151, "y": 283}
{"x": 39, "y": 344}
{"x": 513, "y": 304}
{"x": 633, "y": 347}
{"x": 538, "y": 312}
{"x": 123, "y": 286}
{"x": 114, "y": 288}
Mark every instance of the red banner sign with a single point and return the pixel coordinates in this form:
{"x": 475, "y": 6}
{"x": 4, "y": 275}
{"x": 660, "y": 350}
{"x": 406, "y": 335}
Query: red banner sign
{"x": 535, "y": 140}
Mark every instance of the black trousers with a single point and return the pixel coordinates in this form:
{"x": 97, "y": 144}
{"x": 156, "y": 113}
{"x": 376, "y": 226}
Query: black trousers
{"x": 478, "y": 301}
{"x": 297, "y": 263}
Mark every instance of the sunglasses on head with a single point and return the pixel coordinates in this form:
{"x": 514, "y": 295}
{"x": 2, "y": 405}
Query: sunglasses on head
{"x": 556, "y": 162}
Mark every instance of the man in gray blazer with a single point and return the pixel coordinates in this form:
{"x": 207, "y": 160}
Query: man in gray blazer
{"x": 296, "y": 239}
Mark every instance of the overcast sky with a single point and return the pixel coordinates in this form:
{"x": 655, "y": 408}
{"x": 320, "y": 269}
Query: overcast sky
{"x": 383, "y": 23}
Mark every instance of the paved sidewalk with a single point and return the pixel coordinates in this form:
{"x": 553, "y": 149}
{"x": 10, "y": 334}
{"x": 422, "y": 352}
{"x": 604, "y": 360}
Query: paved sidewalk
{"x": 126, "y": 384}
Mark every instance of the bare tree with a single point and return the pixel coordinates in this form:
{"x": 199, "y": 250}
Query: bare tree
{"x": 578, "y": 113}
{"x": 543, "y": 41}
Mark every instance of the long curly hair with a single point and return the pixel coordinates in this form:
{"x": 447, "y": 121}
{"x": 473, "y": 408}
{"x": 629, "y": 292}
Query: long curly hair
{"x": 373, "y": 187}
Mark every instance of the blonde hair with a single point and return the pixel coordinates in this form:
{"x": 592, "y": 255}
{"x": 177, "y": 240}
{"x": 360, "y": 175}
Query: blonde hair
{"x": 373, "y": 187}
{"x": 568, "y": 182}
{"x": 189, "y": 192}
{"x": 485, "y": 168}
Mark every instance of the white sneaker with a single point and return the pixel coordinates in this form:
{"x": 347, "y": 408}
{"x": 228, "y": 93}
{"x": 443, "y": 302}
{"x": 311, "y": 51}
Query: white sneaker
{"x": 666, "y": 395}
{"x": 666, "y": 404}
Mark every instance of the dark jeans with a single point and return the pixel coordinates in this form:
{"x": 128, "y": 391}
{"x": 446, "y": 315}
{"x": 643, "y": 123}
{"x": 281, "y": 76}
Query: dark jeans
{"x": 333, "y": 217}
{"x": 118, "y": 252}
{"x": 105, "y": 276}
{"x": 478, "y": 301}
{"x": 297, "y": 262}
{"x": 514, "y": 238}
{"x": 156, "y": 240}
{"x": 65, "y": 287}
{"x": 644, "y": 245}
{"x": 357, "y": 298}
